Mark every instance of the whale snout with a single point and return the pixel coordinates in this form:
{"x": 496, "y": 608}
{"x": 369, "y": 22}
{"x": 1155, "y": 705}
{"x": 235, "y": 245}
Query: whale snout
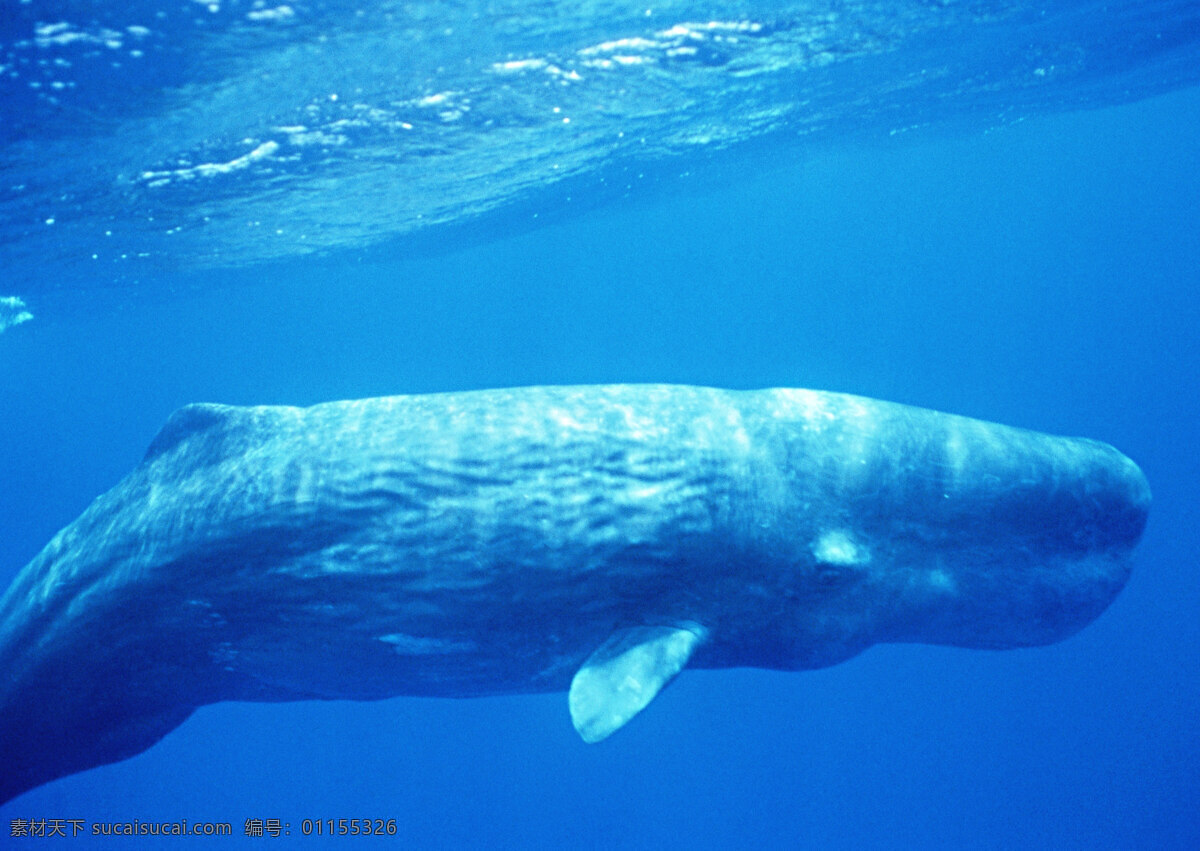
{"x": 1086, "y": 499}
{"x": 1123, "y": 516}
{"x": 1085, "y": 526}
{"x": 1037, "y": 545}
{"x": 1100, "y": 507}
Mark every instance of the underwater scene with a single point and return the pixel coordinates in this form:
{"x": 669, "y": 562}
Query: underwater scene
{"x": 525, "y": 424}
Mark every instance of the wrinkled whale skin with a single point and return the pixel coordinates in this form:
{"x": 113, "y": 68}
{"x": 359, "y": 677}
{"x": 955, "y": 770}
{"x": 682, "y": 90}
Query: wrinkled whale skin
{"x": 517, "y": 540}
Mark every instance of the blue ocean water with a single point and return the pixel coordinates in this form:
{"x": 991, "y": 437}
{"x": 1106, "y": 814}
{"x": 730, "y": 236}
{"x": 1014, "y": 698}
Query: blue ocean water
{"x": 1023, "y": 255}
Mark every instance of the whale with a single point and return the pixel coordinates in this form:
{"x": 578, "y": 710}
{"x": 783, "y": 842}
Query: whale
{"x": 593, "y": 540}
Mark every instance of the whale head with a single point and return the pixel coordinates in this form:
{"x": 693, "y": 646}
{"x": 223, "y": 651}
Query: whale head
{"x": 1031, "y": 558}
{"x": 894, "y": 524}
{"x": 597, "y": 540}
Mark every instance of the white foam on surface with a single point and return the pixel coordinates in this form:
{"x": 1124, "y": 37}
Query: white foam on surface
{"x": 420, "y": 115}
{"x": 159, "y": 178}
{"x": 279, "y": 13}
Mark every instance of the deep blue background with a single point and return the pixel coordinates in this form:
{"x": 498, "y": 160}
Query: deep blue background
{"x": 1042, "y": 275}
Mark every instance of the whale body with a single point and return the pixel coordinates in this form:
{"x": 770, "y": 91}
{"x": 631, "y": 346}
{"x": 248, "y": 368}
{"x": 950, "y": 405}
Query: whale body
{"x": 594, "y": 540}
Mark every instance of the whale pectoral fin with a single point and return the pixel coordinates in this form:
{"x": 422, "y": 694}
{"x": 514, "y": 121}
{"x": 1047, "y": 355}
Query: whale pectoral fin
{"x": 625, "y": 673}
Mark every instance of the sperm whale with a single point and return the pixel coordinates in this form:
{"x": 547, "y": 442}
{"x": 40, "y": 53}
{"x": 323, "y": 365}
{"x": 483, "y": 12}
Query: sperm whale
{"x": 593, "y": 540}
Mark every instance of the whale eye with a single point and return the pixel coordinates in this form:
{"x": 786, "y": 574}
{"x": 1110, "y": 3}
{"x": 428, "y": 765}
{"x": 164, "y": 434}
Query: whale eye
{"x": 828, "y": 575}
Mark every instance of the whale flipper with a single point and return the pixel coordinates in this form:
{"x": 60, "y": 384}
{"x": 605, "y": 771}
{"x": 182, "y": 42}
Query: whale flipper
{"x": 625, "y": 673}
